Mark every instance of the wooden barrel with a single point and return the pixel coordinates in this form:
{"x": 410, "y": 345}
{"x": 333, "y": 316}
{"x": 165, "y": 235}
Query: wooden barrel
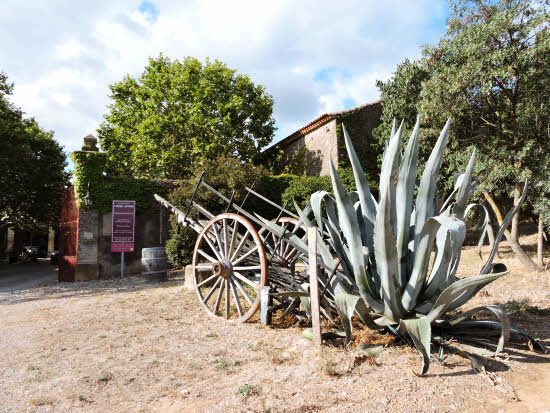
{"x": 154, "y": 263}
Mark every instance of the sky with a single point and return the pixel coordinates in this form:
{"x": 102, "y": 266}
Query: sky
{"x": 313, "y": 57}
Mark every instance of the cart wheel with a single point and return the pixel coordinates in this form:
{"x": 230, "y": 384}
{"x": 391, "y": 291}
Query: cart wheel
{"x": 282, "y": 250}
{"x": 230, "y": 267}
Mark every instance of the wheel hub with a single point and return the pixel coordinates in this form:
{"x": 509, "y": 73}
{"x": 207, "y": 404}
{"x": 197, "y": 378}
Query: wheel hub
{"x": 222, "y": 269}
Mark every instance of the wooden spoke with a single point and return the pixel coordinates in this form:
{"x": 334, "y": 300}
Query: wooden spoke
{"x": 251, "y": 268}
{"x": 242, "y": 290}
{"x": 244, "y": 256}
{"x": 240, "y": 246}
{"x": 229, "y": 235}
{"x": 236, "y": 297}
{"x": 227, "y": 300}
{"x": 205, "y": 281}
{"x": 217, "y": 235}
{"x": 205, "y": 255}
{"x": 225, "y": 245}
{"x": 246, "y": 280}
{"x": 213, "y": 248}
{"x": 211, "y": 291}
{"x": 233, "y": 238}
{"x": 219, "y": 297}
{"x": 279, "y": 247}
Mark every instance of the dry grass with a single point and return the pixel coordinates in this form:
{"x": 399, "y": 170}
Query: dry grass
{"x": 158, "y": 351}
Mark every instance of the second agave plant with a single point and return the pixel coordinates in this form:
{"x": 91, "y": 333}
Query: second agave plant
{"x": 383, "y": 249}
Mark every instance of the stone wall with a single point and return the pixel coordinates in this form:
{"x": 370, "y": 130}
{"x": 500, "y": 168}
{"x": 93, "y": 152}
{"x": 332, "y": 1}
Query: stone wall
{"x": 364, "y": 122}
{"x": 321, "y": 144}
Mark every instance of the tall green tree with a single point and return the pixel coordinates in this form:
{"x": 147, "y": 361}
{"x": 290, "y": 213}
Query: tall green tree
{"x": 179, "y": 112}
{"x": 33, "y": 169}
{"x": 490, "y": 74}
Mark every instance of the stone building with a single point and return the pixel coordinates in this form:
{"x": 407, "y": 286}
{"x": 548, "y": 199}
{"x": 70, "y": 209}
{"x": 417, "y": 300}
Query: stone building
{"x": 322, "y": 139}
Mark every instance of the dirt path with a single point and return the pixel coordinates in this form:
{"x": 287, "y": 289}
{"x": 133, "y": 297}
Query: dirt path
{"x": 126, "y": 346}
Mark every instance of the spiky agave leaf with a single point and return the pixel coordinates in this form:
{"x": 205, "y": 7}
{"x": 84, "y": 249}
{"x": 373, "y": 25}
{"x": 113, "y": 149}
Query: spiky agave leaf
{"x": 345, "y": 304}
{"x": 464, "y": 190}
{"x": 420, "y": 330}
{"x": 404, "y": 200}
{"x": 348, "y": 225}
{"x": 366, "y": 200}
{"x": 437, "y": 228}
{"x": 385, "y": 248}
{"x": 498, "y": 311}
{"x": 426, "y": 190}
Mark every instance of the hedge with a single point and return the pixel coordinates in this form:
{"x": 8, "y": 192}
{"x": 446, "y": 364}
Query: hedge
{"x": 92, "y": 174}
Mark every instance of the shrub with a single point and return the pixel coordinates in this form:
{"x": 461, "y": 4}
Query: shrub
{"x": 300, "y": 188}
{"x": 179, "y": 248}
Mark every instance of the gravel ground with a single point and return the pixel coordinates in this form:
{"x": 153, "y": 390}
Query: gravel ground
{"x": 126, "y": 346}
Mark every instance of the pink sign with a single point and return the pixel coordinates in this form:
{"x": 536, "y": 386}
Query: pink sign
{"x": 122, "y": 237}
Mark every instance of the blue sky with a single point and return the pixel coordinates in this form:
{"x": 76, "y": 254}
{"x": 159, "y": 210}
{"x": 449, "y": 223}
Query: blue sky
{"x": 312, "y": 56}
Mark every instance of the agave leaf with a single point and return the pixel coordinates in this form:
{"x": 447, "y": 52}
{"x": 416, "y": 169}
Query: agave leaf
{"x": 440, "y": 229}
{"x": 505, "y": 222}
{"x": 322, "y": 248}
{"x": 368, "y": 208}
{"x": 404, "y": 200}
{"x": 385, "y": 249}
{"x": 498, "y": 311}
{"x": 467, "y": 295}
{"x": 368, "y": 350}
{"x": 426, "y": 190}
{"x": 306, "y": 300}
{"x": 308, "y": 333}
{"x": 348, "y": 225}
{"x": 464, "y": 190}
{"x": 420, "y": 331}
{"x": 482, "y": 328}
{"x": 393, "y": 127}
{"x": 457, "y": 289}
{"x": 483, "y": 211}
{"x": 366, "y": 316}
{"x": 345, "y": 305}
{"x": 449, "y": 239}
{"x": 316, "y": 202}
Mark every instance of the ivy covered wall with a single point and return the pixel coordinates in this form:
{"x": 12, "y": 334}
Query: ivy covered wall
{"x": 92, "y": 173}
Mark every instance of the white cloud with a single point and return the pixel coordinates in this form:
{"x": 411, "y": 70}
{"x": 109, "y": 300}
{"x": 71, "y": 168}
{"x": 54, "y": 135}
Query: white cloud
{"x": 63, "y": 56}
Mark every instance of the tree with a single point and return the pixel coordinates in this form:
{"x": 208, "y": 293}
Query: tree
{"x": 490, "y": 74}
{"x": 33, "y": 169}
{"x": 177, "y": 113}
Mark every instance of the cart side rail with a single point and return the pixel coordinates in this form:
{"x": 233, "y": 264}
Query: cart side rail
{"x": 181, "y": 216}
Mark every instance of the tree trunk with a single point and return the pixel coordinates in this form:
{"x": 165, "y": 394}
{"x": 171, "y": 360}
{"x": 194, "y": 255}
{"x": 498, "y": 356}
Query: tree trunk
{"x": 514, "y": 244}
{"x": 491, "y": 235}
{"x": 540, "y": 244}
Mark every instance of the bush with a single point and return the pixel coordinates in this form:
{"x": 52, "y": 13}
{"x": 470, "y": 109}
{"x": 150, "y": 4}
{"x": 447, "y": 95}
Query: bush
{"x": 179, "y": 248}
{"x": 301, "y": 187}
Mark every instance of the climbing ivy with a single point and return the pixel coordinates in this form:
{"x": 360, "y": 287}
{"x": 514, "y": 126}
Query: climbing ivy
{"x": 93, "y": 174}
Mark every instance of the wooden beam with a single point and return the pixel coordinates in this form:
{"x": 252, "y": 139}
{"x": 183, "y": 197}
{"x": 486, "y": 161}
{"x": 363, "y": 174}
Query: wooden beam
{"x": 314, "y": 285}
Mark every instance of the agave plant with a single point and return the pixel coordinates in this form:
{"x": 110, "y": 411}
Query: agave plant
{"x": 384, "y": 249}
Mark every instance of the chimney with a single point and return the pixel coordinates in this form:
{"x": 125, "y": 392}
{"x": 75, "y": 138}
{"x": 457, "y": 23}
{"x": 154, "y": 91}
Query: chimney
{"x": 90, "y": 144}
